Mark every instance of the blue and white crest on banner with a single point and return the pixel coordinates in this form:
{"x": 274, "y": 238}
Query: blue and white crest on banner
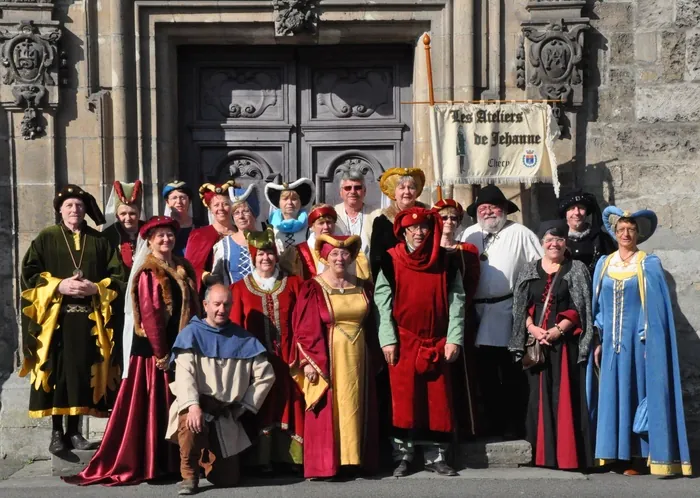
{"x": 530, "y": 158}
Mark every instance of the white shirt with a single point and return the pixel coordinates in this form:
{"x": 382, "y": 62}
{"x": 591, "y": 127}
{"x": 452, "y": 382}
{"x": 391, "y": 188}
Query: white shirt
{"x": 507, "y": 253}
{"x": 345, "y": 226}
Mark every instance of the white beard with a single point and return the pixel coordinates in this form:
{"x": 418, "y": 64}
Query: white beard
{"x": 492, "y": 225}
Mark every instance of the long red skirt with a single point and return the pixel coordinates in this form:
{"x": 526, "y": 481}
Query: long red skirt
{"x": 134, "y": 448}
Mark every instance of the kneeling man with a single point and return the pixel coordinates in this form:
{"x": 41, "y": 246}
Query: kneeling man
{"x": 221, "y": 372}
{"x": 420, "y": 303}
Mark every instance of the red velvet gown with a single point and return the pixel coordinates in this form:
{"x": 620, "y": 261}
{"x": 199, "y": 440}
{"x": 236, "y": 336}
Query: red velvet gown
{"x": 310, "y": 344}
{"x": 199, "y": 251}
{"x": 463, "y": 371}
{"x": 134, "y": 448}
{"x": 268, "y": 316}
{"x": 557, "y": 415}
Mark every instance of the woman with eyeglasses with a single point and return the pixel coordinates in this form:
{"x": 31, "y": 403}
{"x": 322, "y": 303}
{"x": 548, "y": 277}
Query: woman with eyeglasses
{"x": 232, "y": 261}
{"x": 551, "y": 306}
{"x": 634, "y": 386}
{"x": 465, "y": 256}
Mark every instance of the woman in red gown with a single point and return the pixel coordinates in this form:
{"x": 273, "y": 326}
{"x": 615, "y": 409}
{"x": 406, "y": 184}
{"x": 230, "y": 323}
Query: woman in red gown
{"x": 466, "y": 258}
{"x": 163, "y": 297}
{"x": 262, "y": 304}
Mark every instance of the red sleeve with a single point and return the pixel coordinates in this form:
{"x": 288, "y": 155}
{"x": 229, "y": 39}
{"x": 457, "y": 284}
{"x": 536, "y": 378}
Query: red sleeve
{"x": 572, "y": 316}
{"x": 531, "y": 312}
{"x": 309, "y": 337}
{"x": 237, "y": 314}
{"x": 152, "y": 310}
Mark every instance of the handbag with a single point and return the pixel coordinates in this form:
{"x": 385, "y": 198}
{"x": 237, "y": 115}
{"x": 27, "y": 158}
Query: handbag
{"x": 534, "y": 351}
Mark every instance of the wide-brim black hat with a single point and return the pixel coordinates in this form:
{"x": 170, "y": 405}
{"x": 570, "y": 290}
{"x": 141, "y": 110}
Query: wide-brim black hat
{"x": 491, "y": 194}
{"x": 71, "y": 191}
{"x": 575, "y": 197}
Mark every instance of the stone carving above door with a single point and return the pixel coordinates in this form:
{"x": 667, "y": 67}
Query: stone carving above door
{"x": 29, "y": 57}
{"x": 294, "y": 17}
{"x": 241, "y": 93}
{"x": 354, "y": 93}
{"x": 555, "y": 56}
{"x": 328, "y": 178}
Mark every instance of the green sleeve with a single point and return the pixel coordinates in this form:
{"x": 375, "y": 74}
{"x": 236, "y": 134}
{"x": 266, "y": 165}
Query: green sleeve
{"x": 33, "y": 264}
{"x": 382, "y": 301}
{"x": 455, "y": 302}
{"x": 116, "y": 271}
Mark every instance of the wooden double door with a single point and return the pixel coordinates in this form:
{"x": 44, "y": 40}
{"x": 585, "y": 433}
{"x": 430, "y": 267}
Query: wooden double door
{"x": 249, "y": 113}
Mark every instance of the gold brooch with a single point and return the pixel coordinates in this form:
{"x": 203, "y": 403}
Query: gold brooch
{"x": 415, "y": 216}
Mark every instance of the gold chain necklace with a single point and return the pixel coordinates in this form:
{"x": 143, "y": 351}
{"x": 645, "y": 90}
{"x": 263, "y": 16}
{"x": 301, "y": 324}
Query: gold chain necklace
{"x": 77, "y": 272}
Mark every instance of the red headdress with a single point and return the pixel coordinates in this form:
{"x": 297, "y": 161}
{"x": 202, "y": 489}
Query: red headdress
{"x": 326, "y": 243}
{"x": 450, "y": 203}
{"x": 209, "y": 190}
{"x": 322, "y": 211}
{"x": 426, "y": 255}
{"x": 158, "y": 222}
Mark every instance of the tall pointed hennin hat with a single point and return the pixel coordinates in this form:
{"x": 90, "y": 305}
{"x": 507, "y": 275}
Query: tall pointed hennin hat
{"x": 123, "y": 194}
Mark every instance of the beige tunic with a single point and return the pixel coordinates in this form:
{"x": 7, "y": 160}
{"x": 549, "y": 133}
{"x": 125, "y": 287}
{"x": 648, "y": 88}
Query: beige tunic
{"x": 244, "y": 383}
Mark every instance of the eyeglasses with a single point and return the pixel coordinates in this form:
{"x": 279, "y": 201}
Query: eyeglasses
{"x": 558, "y": 240}
{"x": 630, "y": 230}
{"x": 353, "y": 188}
{"x": 240, "y": 213}
{"x": 417, "y": 228}
{"x": 450, "y": 217}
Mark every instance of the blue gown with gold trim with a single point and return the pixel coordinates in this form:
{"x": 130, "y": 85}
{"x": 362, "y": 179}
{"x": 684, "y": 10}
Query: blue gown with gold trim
{"x": 632, "y": 310}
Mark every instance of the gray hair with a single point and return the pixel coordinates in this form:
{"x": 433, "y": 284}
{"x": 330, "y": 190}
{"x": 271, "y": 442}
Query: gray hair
{"x": 406, "y": 178}
{"x": 353, "y": 175}
{"x": 216, "y": 285}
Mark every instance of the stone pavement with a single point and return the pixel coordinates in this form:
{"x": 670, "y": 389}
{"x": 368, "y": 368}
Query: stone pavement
{"x": 35, "y": 480}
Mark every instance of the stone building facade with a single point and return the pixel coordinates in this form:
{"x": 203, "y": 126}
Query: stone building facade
{"x": 98, "y": 90}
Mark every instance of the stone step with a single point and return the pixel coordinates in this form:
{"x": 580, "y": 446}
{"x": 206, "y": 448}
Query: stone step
{"x": 70, "y": 462}
{"x": 476, "y": 454}
{"x": 494, "y": 453}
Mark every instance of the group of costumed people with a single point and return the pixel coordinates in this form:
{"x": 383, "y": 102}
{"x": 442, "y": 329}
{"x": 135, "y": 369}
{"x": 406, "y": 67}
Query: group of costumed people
{"x": 330, "y": 339}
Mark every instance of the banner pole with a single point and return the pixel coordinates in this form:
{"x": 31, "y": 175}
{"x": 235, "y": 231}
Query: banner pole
{"x": 431, "y": 96}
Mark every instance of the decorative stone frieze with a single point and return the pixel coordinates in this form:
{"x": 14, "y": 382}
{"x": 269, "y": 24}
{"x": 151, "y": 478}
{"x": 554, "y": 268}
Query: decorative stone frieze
{"x": 31, "y": 64}
{"x": 294, "y": 17}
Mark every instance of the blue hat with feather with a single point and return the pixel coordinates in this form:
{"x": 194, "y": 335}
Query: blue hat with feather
{"x": 646, "y": 221}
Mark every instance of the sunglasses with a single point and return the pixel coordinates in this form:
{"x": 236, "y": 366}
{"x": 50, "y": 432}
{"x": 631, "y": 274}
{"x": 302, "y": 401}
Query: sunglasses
{"x": 355, "y": 188}
{"x": 450, "y": 217}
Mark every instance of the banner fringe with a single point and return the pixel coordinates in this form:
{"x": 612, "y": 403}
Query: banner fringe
{"x": 480, "y": 180}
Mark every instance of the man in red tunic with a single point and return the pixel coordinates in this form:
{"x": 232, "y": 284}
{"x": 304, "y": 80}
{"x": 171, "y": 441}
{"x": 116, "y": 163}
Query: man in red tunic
{"x": 420, "y": 303}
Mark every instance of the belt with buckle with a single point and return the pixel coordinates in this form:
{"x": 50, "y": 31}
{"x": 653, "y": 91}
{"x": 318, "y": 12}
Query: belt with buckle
{"x": 492, "y": 300}
{"x": 76, "y": 308}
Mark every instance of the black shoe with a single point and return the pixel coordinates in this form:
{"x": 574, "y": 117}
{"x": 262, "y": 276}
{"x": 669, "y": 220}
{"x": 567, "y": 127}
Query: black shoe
{"x": 402, "y": 469}
{"x": 57, "y": 444}
{"x": 441, "y": 468}
{"x": 80, "y": 443}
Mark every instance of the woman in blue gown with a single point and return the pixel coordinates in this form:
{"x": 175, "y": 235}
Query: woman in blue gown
{"x": 633, "y": 382}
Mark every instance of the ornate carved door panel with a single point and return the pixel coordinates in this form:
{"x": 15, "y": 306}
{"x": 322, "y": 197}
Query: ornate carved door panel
{"x": 251, "y": 112}
{"x": 350, "y": 114}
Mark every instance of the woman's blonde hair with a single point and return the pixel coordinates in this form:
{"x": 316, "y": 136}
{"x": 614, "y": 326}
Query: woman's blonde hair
{"x": 289, "y": 193}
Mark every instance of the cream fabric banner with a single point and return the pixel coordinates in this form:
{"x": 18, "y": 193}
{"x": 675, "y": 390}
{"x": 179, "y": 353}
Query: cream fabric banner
{"x": 494, "y": 143}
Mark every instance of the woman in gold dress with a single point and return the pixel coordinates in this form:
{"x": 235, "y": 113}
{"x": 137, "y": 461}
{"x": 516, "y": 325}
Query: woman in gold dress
{"x": 332, "y": 362}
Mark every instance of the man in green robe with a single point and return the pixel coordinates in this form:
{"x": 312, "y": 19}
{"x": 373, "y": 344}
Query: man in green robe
{"x": 70, "y": 277}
